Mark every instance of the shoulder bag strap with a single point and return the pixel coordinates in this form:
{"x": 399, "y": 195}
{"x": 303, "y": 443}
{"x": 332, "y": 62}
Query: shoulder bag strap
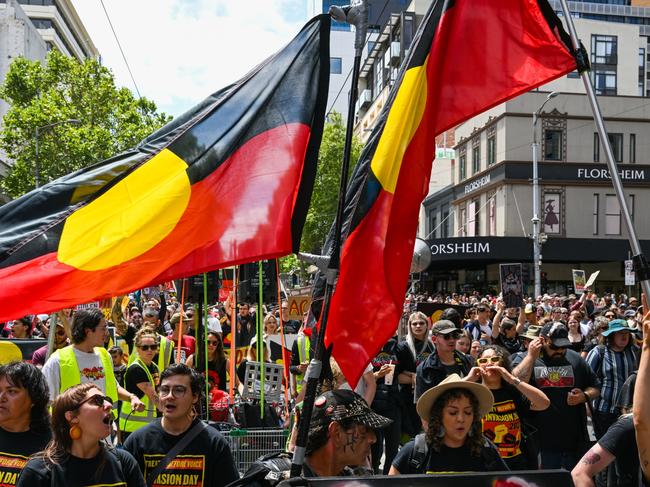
{"x": 191, "y": 434}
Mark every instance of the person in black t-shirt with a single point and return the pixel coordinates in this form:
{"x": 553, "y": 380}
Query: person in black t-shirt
{"x": 641, "y": 401}
{"x": 206, "y": 460}
{"x": 454, "y": 441}
{"x": 77, "y": 456}
{"x": 24, "y": 420}
{"x": 617, "y": 444}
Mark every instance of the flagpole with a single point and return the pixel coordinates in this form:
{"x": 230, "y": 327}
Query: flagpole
{"x": 204, "y": 321}
{"x": 285, "y": 358}
{"x": 261, "y": 345}
{"x": 357, "y": 15}
{"x": 640, "y": 263}
{"x": 233, "y": 335}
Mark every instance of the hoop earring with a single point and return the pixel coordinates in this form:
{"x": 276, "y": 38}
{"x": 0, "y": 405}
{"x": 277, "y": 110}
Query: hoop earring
{"x": 75, "y": 432}
{"x": 441, "y": 432}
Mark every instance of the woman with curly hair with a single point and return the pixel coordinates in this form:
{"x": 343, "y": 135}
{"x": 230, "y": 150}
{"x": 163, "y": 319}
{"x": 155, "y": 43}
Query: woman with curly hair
{"x": 76, "y": 456}
{"x": 24, "y": 420}
{"x": 513, "y": 400}
{"x": 454, "y": 441}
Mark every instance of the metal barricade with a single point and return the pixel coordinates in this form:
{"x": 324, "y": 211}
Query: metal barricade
{"x": 247, "y": 445}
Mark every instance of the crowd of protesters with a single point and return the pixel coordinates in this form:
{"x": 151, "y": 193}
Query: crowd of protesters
{"x": 480, "y": 387}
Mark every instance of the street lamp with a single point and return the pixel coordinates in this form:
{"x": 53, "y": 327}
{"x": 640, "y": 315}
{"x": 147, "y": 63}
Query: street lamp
{"x": 537, "y": 244}
{"x": 37, "y": 166}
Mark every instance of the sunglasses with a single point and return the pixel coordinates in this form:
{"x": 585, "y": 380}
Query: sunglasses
{"x": 554, "y": 347}
{"x": 454, "y": 335}
{"x": 214, "y": 343}
{"x": 488, "y": 360}
{"x": 96, "y": 400}
{"x": 146, "y": 348}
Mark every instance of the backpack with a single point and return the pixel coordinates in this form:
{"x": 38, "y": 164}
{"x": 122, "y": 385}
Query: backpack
{"x": 267, "y": 471}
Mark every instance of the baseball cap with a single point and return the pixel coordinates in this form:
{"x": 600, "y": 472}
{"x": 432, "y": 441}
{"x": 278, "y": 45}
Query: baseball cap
{"x": 558, "y": 334}
{"x": 443, "y": 327}
{"x": 344, "y": 405}
{"x": 529, "y": 308}
{"x": 630, "y": 313}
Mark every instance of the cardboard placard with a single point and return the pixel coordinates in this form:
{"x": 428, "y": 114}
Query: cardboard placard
{"x": 578, "y": 280}
{"x": 298, "y": 306}
{"x": 591, "y": 280}
{"x": 630, "y": 277}
{"x": 512, "y": 285}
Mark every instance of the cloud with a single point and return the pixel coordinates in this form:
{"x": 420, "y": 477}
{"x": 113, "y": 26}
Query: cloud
{"x": 181, "y": 51}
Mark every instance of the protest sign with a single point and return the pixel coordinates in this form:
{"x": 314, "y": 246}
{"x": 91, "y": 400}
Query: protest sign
{"x": 512, "y": 286}
{"x": 578, "y": 280}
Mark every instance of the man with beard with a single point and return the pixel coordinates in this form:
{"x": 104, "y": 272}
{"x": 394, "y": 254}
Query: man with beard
{"x": 564, "y": 376}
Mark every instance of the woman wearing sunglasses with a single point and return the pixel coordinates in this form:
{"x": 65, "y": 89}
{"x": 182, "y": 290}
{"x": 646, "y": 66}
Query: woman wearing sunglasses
{"x": 513, "y": 399}
{"x": 141, "y": 379}
{"x": 218, "y": 364}
{"x": 76, "y": 456}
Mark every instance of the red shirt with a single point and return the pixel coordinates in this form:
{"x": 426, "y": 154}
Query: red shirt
{"x": 188, "y": 345}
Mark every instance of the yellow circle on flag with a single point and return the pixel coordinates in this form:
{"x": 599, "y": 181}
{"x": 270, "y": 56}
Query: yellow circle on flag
{"x": 9, "y": 352}
{"x": 130, "y": 218}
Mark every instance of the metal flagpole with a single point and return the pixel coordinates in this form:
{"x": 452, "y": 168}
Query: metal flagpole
{"x": 261, "y": 345}
{"x": 640, "y": 263}
{"x": 204, "y": 322}
{"x": 357, "y": 15}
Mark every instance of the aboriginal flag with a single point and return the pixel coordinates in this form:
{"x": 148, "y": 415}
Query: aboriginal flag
{"x": 228, "y": 182}
{"x": 468, "y": 56}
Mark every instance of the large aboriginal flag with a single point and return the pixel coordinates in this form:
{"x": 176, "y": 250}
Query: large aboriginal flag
{"x": 228, "y": 182}
{"x": 467, "y": 56}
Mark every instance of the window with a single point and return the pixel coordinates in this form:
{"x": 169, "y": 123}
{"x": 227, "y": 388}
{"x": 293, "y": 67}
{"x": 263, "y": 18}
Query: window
{"x": 641, "y": 75}
{"x": 632, "y": 148}
{"x": 596, "y": 147}
{"x": 553, "y": 145}
{"x": 612, "y": 215}
{"x": 476, "y": 155}
{"x": 445, "y": 221}
{"x": 462, "y": 222}
{"x": 604, "y": 49}
{"x": 604, "y": 81}
{"x": 616, "y": 141}
{"x": 336, "y": 65}
{"x": 433, "y": 223}
{"x": 492, "y": 214}
{"x": 491, "y": 149}
{"x": 473, "y": 222}
{"x": 595, "y": 222}
{"x": 378, "y": 77}
{"x": 462, "y": 166}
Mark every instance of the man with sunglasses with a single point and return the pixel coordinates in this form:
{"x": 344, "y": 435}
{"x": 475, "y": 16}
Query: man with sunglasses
{"x": 568, "y": 381}
{"x": 60, "y": 341}
{"x": 206, "y": 460}
{"x": 444, "y": 360}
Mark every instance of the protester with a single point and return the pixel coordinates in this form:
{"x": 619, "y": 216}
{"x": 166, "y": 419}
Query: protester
{"x": 513, "y": 401}
{"x": 613, "y": 362}
{"x": 481, "y": 327}
{"x": 576, "y": 337}
{"x": 464, "y": 343}
{"x": 641, "y": 401}
{"x": 141, "y": 378}
{"x": 301, "y": 353}
{"x": 207, "y": 459}
{"x": 187, "y": 343}
{"x": 341, "y": 433}
{"x": 60, "y": 341}
{"x": 567, "y": 380}
{"x": 618, "y": 446}
{"x": 444, "y": 360}
{"x": 24, "y": 419}
{"x": 411, "y": 352}
{"x": 386, "y": 403}
{"x": 218, "y": 364}
{"x": 21, "y": 328}
{"x": 475, "y": 349}
{"x": 288, "y": 326}
{"x": 77, "y": 456}
{"x": 505, "y": 335}
{"x": 86, "y": 361}
{"x": 453, "y": 441}
{"x": 245, "y": 324}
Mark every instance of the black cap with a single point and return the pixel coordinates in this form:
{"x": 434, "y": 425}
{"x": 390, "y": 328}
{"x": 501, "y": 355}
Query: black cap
{"x": 558, "y": 334}
{"x": 342, "y": 405}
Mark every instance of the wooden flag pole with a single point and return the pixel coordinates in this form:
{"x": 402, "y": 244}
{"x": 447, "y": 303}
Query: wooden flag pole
{"x": 285, "y": 358}
{"x": 180, "y": 323}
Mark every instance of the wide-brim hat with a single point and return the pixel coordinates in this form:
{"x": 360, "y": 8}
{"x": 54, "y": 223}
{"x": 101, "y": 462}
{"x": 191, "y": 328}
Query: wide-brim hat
{"x": 481, "y": 392}
{"x": 532, "y": 332}
{"x": 616, "y": 325}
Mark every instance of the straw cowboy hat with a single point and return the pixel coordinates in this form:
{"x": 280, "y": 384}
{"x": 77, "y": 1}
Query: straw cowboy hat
{"x": 481, "y": 392}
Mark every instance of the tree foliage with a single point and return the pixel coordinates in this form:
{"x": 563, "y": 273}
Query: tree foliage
{"x": 111, "y": 119}
{"x": 324, "y": 200}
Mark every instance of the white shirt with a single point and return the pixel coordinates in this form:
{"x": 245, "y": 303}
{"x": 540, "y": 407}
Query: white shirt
{"x": 90, "y": 370}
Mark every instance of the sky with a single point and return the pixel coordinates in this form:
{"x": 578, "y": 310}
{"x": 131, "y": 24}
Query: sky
{"x": 180, "y": 51}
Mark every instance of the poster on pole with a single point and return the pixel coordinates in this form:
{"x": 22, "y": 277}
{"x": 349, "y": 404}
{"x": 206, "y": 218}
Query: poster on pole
{"x": 579, "y": 280}
{"x": 512, "y": 286}
{"x": 591, "y": 280}
{"x": 630, "y": 278}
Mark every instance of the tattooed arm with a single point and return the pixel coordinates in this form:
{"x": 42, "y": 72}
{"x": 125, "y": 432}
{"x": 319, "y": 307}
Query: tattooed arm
{"x": 641, "y": 401}
{"x": 525, "y": 368}
{"x": 594, "y": 461}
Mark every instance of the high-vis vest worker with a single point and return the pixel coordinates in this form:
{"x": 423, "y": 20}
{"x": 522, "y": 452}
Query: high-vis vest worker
{"x": 304, "y": 347}
{"x": 71, "y": 376}
{"x": 165, "y": 353}
{"x": 133, "y": 420}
